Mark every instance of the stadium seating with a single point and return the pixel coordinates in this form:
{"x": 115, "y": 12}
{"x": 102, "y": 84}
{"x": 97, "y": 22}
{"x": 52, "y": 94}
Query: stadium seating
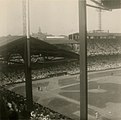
{"x": 14, "y": 106}
{"x": 103, "y": 47}
{"x": 95, "y": 63}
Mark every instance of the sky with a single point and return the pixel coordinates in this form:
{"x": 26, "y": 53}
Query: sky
{"x": 58, "y": 17}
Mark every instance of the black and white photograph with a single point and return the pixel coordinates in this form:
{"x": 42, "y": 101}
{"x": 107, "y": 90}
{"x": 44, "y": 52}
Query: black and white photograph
{"x": 60, "y": 59}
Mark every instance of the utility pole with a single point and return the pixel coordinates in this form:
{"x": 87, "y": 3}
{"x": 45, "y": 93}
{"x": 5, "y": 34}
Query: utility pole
{"x": 83, "y": 60}
{"x": 29, "y": 95}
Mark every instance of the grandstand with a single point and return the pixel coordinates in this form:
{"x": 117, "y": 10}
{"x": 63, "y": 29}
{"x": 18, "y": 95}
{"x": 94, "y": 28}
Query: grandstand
{"x": 12, "y": 69}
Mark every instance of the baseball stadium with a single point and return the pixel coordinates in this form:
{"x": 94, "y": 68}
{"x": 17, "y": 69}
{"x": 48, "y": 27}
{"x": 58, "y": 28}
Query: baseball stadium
{"x": 53, "y": 75}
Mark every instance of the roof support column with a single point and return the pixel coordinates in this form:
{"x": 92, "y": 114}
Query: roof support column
{"x": 83, "y": 60}
{"x": 29, "y": 95}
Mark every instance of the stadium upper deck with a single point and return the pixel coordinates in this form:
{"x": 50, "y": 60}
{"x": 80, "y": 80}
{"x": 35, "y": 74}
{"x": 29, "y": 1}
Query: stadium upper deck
{"x": 100, "y": 43}
{"x": 16, "y": 45}
{"x": 96, "y": 35}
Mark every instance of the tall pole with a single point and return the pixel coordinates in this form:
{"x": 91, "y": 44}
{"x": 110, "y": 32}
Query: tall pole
{"x": 100, "y": 17}
{"x": 100, "y": 22}
{"x": 29, "y": 95}
{"x": 27, "y": 19}
{"x": 83, "y": 60}
{"x": 24, "y": 16}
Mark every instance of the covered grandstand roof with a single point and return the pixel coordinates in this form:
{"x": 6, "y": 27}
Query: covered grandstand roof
{"x": 112, "y": 4}
{"x": 8, "y": 39}
{"x": 16, "y": 44}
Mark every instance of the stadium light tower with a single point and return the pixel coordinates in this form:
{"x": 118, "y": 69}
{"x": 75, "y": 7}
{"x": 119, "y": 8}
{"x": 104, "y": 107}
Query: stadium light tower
{"x": 83, "y": 60}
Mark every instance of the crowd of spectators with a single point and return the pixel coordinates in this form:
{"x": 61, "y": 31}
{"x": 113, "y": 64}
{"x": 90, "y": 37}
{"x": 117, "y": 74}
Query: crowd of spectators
{"x": 102, "y": 47}
{"x": 17, "y": 75}
{"x": 11, "y": 76}
{"x": 94, "y": 63}
{"x": 13, "y": 107}
{"x": 101, "y": 62}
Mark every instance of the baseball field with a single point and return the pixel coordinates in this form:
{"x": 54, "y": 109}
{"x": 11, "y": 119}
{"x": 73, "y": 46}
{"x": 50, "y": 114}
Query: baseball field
{"x": 62, "y": 94}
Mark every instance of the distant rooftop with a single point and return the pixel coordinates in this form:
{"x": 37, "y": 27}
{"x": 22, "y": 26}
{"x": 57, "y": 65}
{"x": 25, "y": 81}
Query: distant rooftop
{"x": 55, "y": 37}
